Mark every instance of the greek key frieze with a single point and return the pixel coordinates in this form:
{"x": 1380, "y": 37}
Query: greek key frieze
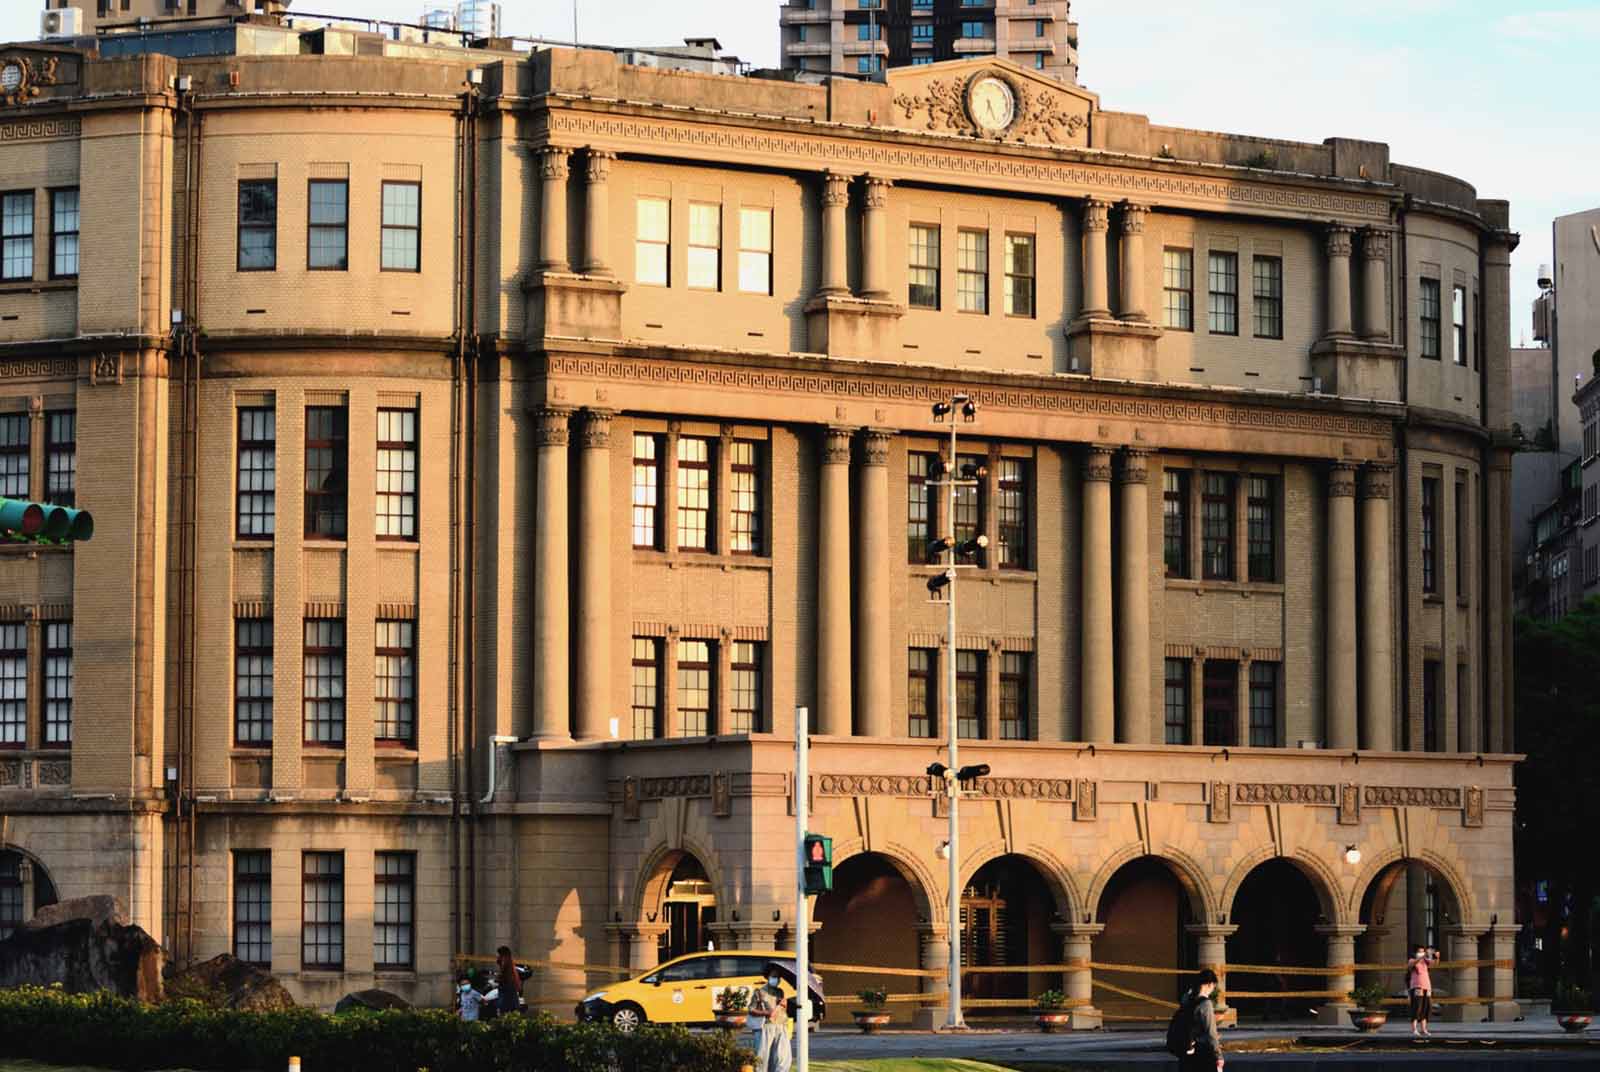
{"x": 35, "y": 129}
{"x": 683, "y": 785}
{"x": 920, "y": 785}
{"x": 1282, "y": 793}
{"x": 1411, "y": 796}
{"x": 38, "y": 368}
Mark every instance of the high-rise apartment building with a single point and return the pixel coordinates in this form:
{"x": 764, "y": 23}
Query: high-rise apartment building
{"x": 866, "y": 36}
{"x": 87, "y": 16}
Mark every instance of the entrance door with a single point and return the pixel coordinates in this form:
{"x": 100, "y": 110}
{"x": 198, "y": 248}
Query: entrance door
{"x": 989, "y": 940}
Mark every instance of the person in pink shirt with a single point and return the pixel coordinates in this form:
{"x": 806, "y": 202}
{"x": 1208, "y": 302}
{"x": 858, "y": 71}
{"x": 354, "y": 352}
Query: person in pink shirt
{"x": 1420, "y": 986}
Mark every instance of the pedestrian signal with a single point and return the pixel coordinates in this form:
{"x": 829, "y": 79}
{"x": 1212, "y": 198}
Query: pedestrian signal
{"x": 818, "y": 873}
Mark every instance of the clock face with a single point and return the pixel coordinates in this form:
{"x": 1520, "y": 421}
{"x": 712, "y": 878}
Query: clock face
{"x": 992, "y": 103}
{"x": 10, "y": 76}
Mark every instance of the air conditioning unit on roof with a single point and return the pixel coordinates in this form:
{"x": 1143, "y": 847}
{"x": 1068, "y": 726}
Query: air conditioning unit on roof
{"x": 62, "y": 22}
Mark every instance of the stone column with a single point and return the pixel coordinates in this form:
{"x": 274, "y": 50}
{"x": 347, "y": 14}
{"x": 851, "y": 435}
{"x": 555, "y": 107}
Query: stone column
{"x": 1131, "y": 300}
{"x": 1133, "y": 601}
{"x": 1341, "y": 939}
{"x": 1338, "y": 280}
{"x": 1241, "y": 709}
{"x": 1076, "y": 942}
{"x": 1502, "y": 948}
{"x": 597, "y": 213}
{"x": 1096, "y": 226}
{"x": 872, "y": 646}
{"x": 1339, "y": 689}
{"x": 1212, "y": 952}
{"x": 644, "y": 945}
{"x": 553, "y": 208}
{"x": 835, "y": 202}
{"x": 1374, "y": 284}
{"x": 1197, "y": 697}
{"x": 1461, "y": 943}
{"x": 934, "y": 956}
{"x": 1377, "y": 626}
{"x": 1099, "y": 698}
{"x": 593, "y": 641}
{"x": 875, "y": 240}
{"x": 834, "y": 677}
{"x": 550, "y": 649}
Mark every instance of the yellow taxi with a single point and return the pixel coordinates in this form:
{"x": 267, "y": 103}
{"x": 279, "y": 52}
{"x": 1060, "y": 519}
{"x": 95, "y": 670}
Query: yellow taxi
{"x": 685, "y": 990}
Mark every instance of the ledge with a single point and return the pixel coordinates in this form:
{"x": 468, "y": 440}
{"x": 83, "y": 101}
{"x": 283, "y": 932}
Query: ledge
{"x": 37, "y": 286}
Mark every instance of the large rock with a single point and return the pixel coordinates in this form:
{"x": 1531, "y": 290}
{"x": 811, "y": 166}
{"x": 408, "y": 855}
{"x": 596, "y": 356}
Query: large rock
{"x": 98, "y": 909}
{"x": 84, "y": 957}
{"x": 371, "y": 999}
{"x": 227, "y": 981}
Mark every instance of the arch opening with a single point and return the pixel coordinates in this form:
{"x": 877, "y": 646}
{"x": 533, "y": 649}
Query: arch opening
{"x": 1007, "y": 907}
{"x": 1277, "y": 909}
{"x": 1146, "y": 909}
{"x": 1406, "y": 904}
{"x": 25, "y": 887}
{"x": 870, "y": 917}
{"x": 680, "y": 894}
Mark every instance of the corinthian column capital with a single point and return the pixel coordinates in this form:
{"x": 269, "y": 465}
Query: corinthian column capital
{"x": 1096, "y": 214}
{"x": 1341, "y": 480}
{"x": 553, "y": 161}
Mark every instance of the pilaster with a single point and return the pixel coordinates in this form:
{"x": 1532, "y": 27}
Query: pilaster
{"x": 875, "y": 238}
{"x": 1099, "y": 694}
{"x": 835, "y": 204}
{"x": 1375, "y": 283}
{"x": 834, "y": 675}
{"x": 1212, "y": 952}
{"x": 1133, "y": 600}
{"x": 594, "y": 642}
{"x": 872, "y": 611}
{"x": 1077, "y": 940}
{"x": 1462, "y": 945}
{"x": 1340, "y": 687}
{"x": 1377, "y": 641}
{"x": 1096, "y": 226}
{"x": 550, "y": 694}
{"x": 1341, "y": 938}
{"x": 553, "y": 207}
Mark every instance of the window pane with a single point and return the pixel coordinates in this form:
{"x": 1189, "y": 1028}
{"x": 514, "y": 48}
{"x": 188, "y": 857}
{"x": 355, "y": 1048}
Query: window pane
{"x": 14, "y": 460}
{"x": 252, "y": 907}
{"x": 646, "y": 491}
{"x": 57, "y": 683}
{"x": 327, "y": 475}
{"x": 755, "y": 250}
{"x": 322, "y": 911}
{"x": 323, "y": 692}
{"x": 61, "y": 457}
{"x": 395, "y": 692}
{"x": 747, "y": 706}
{"x": 1428, "y": 304}
{"x": 920, "y": 693}
{"x": 63, "y": 233}
{"x": 258, "y": 225}
{"x": 16, "y": 236}
{"x": 1220, "y": 699}
{"x": 1175, "y": 521}
{"x": 653, "y": 228}
{"x": 646, "y": 688}
{"x": 327, "y": 237}
{"x": 257, "y": 472}
{"x": 970, "y": 499}
{"x": 1014, "y": 696}
{"x": 1267, "y": 297}
{"x": 13, "y": 684}
{"x": 969, "y": 694}
{"x": 1013, "y": 512}
{"x": 1263, "y": 705}
{"x": 1177, "y": 701}
{"x": 1019, "y": 275}
{"x": 694, "y": 494}
{"x": 252, "y": 682}
{"x": 919, "y": 507}
{"x": 396, "y": 488}
{"x": 744, "y": 498}
{"x": 1262, "y": 494}
{"x": 393, "y": 910}
{"x": 1223, "y": 284}
{"x": 1216, "y": 503}
{"x": 1177, "y": 270}
{"x": 705, "y": 246}
{"x": 694, "y": 688}
{"x": 972, "y": 271}
{"x": 923, "y": 267}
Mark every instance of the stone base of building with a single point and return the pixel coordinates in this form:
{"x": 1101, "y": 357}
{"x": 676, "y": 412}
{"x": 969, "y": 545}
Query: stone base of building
{"x": 1335, "y": 1014}
{"x": 1503, "y": 1012}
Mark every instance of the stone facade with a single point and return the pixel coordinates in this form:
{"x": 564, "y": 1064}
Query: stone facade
{"x": 1244, "y": 603}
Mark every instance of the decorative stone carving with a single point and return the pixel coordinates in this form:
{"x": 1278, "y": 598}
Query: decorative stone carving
{"x": 1096, "y": 214}
{"x": 630, "y": 798}
{"x": 596, "y": 433}
{"x": 55, "y": 772}
{"x": 1375, "y": 243}
{"x": 921, "y": 785}
{"x": 553, "y": 161}
{"x": 1341, "y": 480}
{"x": 106, "y": 368}
{"x": 1097, "y": 464}
{"x": 875, "y": 447}
{"x": 550, "y": 429}
{"x": 721, "y": 795}
{"x": 1283, "y": 793}
{"x": 33, "y": 129}
{"x": 945, "y": 103}
{"x": 1349, "y": 804}
{"x": 10, "y": 774}
{"x": 685, "y": 786}
{"x": 1411, "y": 796}
{"x": 1085, "y": 807}
{"x": 1472, "y": 814}
{"x": 598, "y": 163}
{"x": 877, "y": 191}
{"x": 1040, "y": 117}
{"x": 836, "y": 446}
{"x": 1378, "y": 478}
{"x": 40, "y": 368}
{"x": 1133, "y": 217}
{"x": 835, "y": 189}
{"x": 1221, "y": 803}
{"x": 1134, "y": 466}
{"x": 1039, "y": 113}
{"x": 1339, "y": 240}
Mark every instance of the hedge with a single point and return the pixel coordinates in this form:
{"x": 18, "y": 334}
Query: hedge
{"x": 122, "y": 1033}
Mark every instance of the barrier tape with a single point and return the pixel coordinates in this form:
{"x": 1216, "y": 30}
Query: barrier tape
{"x": 863, "y": 969}
{"x": 1145, "y": 998}
{"x": 1233, "y": 995}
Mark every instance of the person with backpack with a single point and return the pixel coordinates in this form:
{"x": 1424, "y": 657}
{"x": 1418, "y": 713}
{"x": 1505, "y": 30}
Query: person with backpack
{"x": 1192, "y": 1032}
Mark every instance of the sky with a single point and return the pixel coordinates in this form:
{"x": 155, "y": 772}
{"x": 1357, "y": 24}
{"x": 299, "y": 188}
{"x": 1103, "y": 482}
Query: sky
{"x": 1504, "y": 95}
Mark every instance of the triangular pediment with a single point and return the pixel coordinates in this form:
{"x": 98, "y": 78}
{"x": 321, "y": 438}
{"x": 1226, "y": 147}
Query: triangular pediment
{"x": 958, "y": 97}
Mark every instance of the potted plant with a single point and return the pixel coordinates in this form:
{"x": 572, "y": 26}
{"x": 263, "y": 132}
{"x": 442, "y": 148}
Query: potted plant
{"x": 1369, "y": 1013}
{"x": 733, "y": 1008}
{"x": 1573, "y": 1007}
{"x": 873, "y": 1015}
{"x": 1050, "y": 1010}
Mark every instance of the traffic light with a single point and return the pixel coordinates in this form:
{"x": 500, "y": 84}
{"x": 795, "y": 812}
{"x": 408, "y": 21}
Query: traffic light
{"x": 818, "y": 877}
{"x": 32, "y": 522}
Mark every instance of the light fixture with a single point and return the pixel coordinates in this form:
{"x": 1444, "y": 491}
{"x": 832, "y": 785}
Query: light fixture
{"x": 943, "y": 851}
{"x": 1352, "y": 855}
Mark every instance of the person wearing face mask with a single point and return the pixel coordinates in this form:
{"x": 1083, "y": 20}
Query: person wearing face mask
{"x": 767, "y": 1006}
{"x": 1420, "y": 987}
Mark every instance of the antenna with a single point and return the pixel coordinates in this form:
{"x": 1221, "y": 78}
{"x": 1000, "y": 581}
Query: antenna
{"x": 574, "y": 23}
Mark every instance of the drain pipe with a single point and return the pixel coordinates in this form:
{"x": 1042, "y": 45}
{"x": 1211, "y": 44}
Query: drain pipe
{"x": 496, "y": 743}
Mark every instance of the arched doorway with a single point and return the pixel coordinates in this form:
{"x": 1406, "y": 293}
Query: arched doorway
{"x": 680, "y": 894}
{"x": 870, "y": 917}
{"x": 25, "y": 887}
{"x": 1146, "y": 912}
{"x": 1006, "y": 911}
{"x": 1276, "y": 909}
{"x": 1407, "y": 903}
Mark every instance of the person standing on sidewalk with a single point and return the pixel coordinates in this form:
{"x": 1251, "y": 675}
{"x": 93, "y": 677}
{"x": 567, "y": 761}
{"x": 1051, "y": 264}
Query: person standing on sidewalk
{"x": 1205, "y": 1052}
{"x": 1420, "y": 987}
{"x": 509, "y": 997}
{"x": 772, "y": 1047}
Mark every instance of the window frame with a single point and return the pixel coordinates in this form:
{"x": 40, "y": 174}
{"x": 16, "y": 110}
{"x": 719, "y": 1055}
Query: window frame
{"x": 745, "y": 499}
{"x": 267, "y": 496}
{"x": 715, "y": 249}
{"x": 387, "y": 933}
{"x": 1265, "y": 676}
{"x": 1175, "y": 485}
{"x": 385, "y": 227}
{"x": 1016, "y": 676}
{"x": 705, "y": 717}
{"x": 747, "y": 682}
{"x": 406, "y": 449}
{"x": 1177, "y": 281}
{"x": 241, "y": 227}
{"x": 26, "y": 239}
{"x": 1016, "y": 281}
{"x": 928, "y": 676}
{"x": 14, "y": 685}
{"x": 316, "y": 881}
{"x": 920, "y": 500}
{"x": 57, "y": 234}
{"x": 1458, "y": 325}
{"x": 1261, "y": 528}
{"x": 706, "y": 491}
{"x": 655, "y": 684}
{"x": 57, "y": 667}
{"x": 394, "y": 722}
{"x": 922, "y": 270}
{"x": 314, "y": 228}
{"x": 1222, "y": 305}
{"x": 971, "y": 683}
{"x": 654, "y": 466}
{"x": 16, "y": 456}
{"x": 1219, "y": 703}
{"x": 641, "y": 244}
{"x": 252, "y": 674}
{"x": 1461, "y": 539}
{"x": 1013, "y": 485}
{"x": 337, "y": 673}
{"x": 748, "y": 252}
{"x": 1432, "y": 731}
{"x": 252, "y": 889}
{"x": 62, "y": 450}
{"x": 339, "y": 463}
{"x": 970, "y": 498}
{"x": 1217, "y": 536}
{"x": 1429, "y": 297}
{"x": 1176, "y": 696}
{"x": 1266, "y": 296}
{"x": 972, "y": 266}
{"x": 1429, "y": 535}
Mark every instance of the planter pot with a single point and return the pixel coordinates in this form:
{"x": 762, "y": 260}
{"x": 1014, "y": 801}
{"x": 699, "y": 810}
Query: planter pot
{"x": 1573, "y": 1021}
{"x": 869, "y": 1020}
{"x": 1052, "y": 1019}
{"x": 732, "y": 1021}
{"x": 1368, "y": 1019}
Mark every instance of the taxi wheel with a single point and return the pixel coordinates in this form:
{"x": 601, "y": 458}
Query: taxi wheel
{"x": 626, "y": 1017}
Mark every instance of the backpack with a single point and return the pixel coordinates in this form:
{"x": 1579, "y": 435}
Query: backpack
{"x": 1180, "y": 1030}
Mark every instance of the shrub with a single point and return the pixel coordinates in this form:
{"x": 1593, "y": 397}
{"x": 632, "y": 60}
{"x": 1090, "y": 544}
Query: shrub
{"x": 1571, "y": 998}
{"x": 733, "y": 999}
{"x": 121, "y": 1033}
{"x": 1369, "y": 995}
{"x": 873, "y": 998}
{"x": 1050, "y": 1000}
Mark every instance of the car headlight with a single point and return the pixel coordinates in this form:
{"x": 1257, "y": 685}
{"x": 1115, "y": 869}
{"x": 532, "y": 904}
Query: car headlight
{"x": 596, "y": 996}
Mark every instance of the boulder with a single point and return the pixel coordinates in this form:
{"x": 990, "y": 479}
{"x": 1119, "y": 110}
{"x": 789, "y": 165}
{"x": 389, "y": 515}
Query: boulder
{"x": 371, "y": 999}
{"x": 229, "y": 982}
{"x": 84, "y": 957}
{"x": 98, "y": 909}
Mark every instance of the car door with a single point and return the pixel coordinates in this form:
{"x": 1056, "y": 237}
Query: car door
{"x": 730, "y": 972}
{"x": 684, "y": 996}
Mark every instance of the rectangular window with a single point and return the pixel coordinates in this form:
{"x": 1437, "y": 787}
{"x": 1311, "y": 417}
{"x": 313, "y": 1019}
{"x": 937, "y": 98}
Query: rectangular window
{"x": 14, "y": 456}
{"x": 16, "y": 236}
{"x": 705, "y": 246}
{"x": 919, "y": 507}
{"x": 258, "y": 473}
{"x": 972, "y": 30}
{"x": 747, "y": 706}
{"x": 1020, "y": 275}
{"x": 402, "y": 227}
{"x": 1220, "y": 701}
{"x": 1177, "y": 701}
{"x": 1458, "y": 324}
{"x": 397, "y": 474}
{"x": 1461, "y": 540}
{"x": 61, "y": 457}
{"x": 63, "y": 234}
{"x": 1430, "y": 705}
{"x": 1038, "y": 28}
{"x": 1430, "y": 534}
{"x": 1175, "y": 521}
{"x": 1216, "y": 525}
{"x": 694, "y": 494}
{"x": 1263, "y": 705}
{"x": 972, "y": 271}
{"x": 969, "y": 694}
{"x": 869, "y": 31}
{"x": 647, "y": 492}
{"x": 1222, "y": 275}
{"x": 322, "y": 911}
{"x": 869, "y": 64}
{"x": 646, "y": 688}
{"x": 695, "y": 699}
{"x": 1014, "y": 693}
{"x": 395, "y": 692}
{"x": 755, "y": 250}
{"x": 323, "y": 696}
{"x": 1177, "y": 281}
{"x": 13, "y": 685}
{"x": 1267, "y": 297}
{"x": 258, "y": 225}
{"x": 967, "y": 522}
{"x": 328, "y": 226}
{"x": 252, "y": 906}
{"x": 327, "y": 471}
{"x": 921, "y": 693}
{"x": 744, "y": 497}
{"x": 1038, "y": 61}
{"x": 921, "y": 61}
{"x": 11, "y": 913}
{"x": 1262, "y": 506}
{"x": 652, "y": 241}
{"x": 394, "y": 902}
{"x": 1428, "y": 303}
{"x": 1012, "y": 513}
{"x": 252, "y": 682}
{"x": 922, "y": 31}
{"x": 57, "y": 684}
{"x": 923, "y": 271}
